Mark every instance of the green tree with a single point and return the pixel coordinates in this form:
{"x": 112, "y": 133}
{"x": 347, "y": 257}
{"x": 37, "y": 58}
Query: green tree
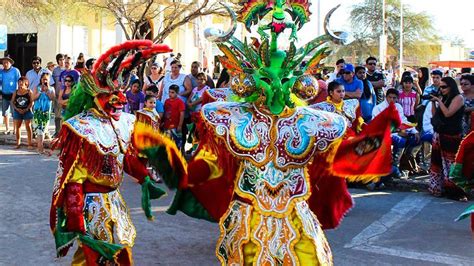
{"x": 38, "y": 12}
{"x": 418, "y": 33}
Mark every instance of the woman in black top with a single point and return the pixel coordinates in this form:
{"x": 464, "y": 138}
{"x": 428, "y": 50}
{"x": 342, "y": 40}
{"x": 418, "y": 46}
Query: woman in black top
{"x": 22, "y": 103}
{"x": 447, "y": 125}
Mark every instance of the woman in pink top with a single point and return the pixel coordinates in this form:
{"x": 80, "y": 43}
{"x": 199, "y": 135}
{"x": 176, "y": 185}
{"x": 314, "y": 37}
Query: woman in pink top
{"x": 408, "y": 99}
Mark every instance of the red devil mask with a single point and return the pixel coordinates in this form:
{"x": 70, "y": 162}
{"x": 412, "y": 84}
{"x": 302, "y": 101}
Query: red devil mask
{"x": 112, "y": 104}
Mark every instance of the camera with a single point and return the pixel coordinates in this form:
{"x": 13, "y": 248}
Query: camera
{"x": 428, "y": 97}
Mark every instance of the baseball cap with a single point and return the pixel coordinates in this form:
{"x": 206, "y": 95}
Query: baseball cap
{"x": 349, "y": 67}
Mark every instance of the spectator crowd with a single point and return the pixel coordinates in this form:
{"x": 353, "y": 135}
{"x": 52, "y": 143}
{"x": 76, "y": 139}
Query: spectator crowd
{"x": 436, "y": 110}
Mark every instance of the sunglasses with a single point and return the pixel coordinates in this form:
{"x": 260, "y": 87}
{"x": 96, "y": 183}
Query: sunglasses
{"x": 36, "y": 63}
{"x": 347, "y": 72}
{"x": 443, "y": 87}
{"x": 465, "y": 84}
{"x": 67, "y": 80}
{"x": 372, "y": 64}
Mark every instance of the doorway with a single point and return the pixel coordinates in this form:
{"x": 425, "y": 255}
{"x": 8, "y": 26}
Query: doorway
{"x": 22, "y": 48}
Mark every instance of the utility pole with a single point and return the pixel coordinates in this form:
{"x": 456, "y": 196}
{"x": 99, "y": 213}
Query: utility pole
{"x": 401, "y": 37}
{"x": 383, "y": 40}
{"x": 319, "y": 17}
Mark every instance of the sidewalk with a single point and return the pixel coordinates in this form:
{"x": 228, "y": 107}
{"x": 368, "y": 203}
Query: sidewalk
{"x": 412, "y": 183}
{"x": 10, "y": 139}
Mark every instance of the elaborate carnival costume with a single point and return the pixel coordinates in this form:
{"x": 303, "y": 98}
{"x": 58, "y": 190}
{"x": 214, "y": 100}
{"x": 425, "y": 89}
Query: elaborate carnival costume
{"x": 149, "y": 116}
{"x": 349, "y": 109}
{"x": 95, "y": 150}
{"x": 259, "y": 156}
{"x": 332, "y": 189}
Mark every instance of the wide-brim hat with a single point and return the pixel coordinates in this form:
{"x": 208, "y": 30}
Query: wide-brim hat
{"x": 7, "y": 58}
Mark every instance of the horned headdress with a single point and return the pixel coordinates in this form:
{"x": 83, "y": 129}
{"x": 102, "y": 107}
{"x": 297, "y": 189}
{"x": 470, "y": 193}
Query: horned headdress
{"x": 262, "y": 72}
{"x": 111, "y": 72}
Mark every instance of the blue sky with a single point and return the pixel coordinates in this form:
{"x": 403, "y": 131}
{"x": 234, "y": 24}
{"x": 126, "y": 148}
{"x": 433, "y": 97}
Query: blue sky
{"x": 450, "y": 18}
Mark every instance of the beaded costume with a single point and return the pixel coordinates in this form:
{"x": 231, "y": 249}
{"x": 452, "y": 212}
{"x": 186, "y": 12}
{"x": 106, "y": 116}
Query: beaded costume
{"x": 260, "y": 156}
{"x": 95, "y": 150}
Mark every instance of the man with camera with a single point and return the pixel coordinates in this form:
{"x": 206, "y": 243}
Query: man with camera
{"x": 421, "y": 112}
{"x": 433, "y": 89}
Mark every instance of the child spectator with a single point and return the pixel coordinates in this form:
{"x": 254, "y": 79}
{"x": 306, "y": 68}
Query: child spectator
{"x": 174, "y": 115}
{"x": 22, "y": 102}
{"x": 404, "y": 137}
{"x": 408, "y": 99}
{"x": 194, "y": 106}
{"x": 148, "y": 114}
{"x": 135, "y": 98}
{"x": 153, "y": 90}
{"x": 194, "y": 101}
{"x": 43, "y": 95}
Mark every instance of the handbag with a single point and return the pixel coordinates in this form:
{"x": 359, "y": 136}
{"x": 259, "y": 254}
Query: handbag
{"x": 438, "y": 122}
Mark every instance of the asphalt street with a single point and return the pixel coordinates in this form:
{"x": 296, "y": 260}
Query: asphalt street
{"x": 384, "y": 227}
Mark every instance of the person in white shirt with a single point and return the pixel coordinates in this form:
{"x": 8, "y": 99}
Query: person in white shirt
{"x": 427, "y": 136}
{"x": 402, "y": 138}
{"x": 340, "y": 64}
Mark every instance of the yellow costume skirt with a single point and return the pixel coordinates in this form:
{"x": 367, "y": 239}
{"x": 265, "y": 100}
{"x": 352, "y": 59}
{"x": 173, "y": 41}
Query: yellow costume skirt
{"x": 249, "y": 237}
{"x": 107, "y": 219}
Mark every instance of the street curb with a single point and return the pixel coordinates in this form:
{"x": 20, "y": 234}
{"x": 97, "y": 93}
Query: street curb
{"x": 412, "y": 183}
{"x": 11, "y": 141}
{"x": 419, "y": 183}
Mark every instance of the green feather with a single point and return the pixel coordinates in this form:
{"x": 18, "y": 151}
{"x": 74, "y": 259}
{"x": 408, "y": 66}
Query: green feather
{"x": 264, "y": 55}
{"x": 79, "y": 101}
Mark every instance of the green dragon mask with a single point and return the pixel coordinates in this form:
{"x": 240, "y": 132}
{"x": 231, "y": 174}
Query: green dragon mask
{"x": 262, "y": 72}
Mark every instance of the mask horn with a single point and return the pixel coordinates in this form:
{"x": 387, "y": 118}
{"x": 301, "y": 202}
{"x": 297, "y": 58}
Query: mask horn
{"x": 217, "y": 35}
{"x": 339, "y": 37}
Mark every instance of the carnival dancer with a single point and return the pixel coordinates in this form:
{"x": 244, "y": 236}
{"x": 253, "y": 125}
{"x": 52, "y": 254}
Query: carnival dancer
{"x": 258, "y": 155}
{"x": 95, "y": 151}
{"x": 462, "y": 174}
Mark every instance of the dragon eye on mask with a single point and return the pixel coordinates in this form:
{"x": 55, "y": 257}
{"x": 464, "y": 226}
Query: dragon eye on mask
{"x": 306, "y": 87}
{"x": 243, "y": 85}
